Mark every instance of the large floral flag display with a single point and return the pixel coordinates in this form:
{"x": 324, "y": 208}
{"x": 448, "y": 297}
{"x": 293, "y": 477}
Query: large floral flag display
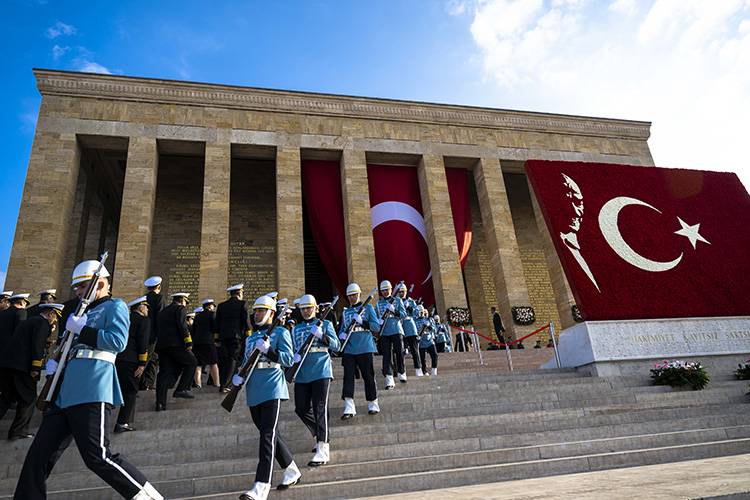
{"x": 646, "y": 242}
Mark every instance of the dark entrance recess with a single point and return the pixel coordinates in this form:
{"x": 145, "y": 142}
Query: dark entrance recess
{"x": 317, "y": 281}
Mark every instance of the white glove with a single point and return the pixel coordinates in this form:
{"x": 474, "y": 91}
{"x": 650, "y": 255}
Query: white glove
{"x": 342, "y": 335}
{"x": 297, "y": 358}
{"x": 392, "y": 308}
{"x": 358, "y": 318}
{"x": 76, "y": 323}
{"x": 317, "y": 331}
{"x": 51, "y": 367}
{"x": 262, "y": 345}
{"x": 237, "y": 380}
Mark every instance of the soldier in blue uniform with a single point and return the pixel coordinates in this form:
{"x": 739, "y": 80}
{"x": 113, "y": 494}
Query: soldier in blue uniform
{"x": 410, "y": 328}
{"x": 442, "y": 337}
{"x": 88, "y": 391}
{"x": 392, "y": 333}
{"x": 265, "y": 390}
{"x": 314, "y": 376}
{"x": 427, "y": 340}
{"x": 358, "y": 353}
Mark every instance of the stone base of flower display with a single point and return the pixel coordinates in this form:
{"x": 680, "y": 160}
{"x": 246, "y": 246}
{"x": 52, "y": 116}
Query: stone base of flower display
{"x": 615, "y": 348}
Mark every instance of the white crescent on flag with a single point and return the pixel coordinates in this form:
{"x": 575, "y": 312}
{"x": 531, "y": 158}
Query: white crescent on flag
{"x": 398, "y": 211}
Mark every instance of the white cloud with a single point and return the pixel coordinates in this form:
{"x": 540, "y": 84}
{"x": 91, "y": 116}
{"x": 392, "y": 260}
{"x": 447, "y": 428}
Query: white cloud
{"x": 58, "y": 52}
{"x": 456, "y": 7}
{"x": 60, "y": 29}
{"x": 683, "y": 64}
{"x": 91, "y": 67}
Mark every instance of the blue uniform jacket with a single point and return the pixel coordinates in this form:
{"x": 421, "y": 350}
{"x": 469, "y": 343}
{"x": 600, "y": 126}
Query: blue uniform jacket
{"x": 317, "y": 365}
{"x": 95, "y": 380}
{"x": 393, "y": 323}
{"x": 362, "y": 340}
{"x": 441, "y": 334}
{"x": 428, "y": 335}
{"x": 410, "y": 322}
{"x": 266, "y": 384}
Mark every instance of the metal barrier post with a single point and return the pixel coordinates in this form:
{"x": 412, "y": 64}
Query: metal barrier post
{"x": 477, "y": 348}
{"x": 554, "y": 343}
{"x": 510, "y": 358}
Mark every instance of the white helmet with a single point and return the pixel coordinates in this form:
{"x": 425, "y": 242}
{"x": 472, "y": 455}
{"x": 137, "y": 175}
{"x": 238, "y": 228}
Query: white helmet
{"x": 400, "y": 286}
{"x": 85, "y": 271}
{"x": 385, "y": 285}
{"x": 353, "y": 288}
{"x": 265, "y": 302}
{"x": 307, "y": 300}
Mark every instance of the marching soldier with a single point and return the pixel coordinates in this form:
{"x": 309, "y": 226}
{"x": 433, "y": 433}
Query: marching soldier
{"x": 45, "y": 297}
{"x": 232, "y": 324}
{"x": 13, "y": 316}
{"x": 442, "y": 337}
{"x": 358, "y": 353}
{"x": 174, "y": 346}
{"x": 155, "y": 306}
{"x": 21, "y": 365}
{"x": 203, "y": 343}
{"x": 314, "y": 377}
{"x": 5, "y": 299}
{"x": 427, "y": 340}
{"x": 131, "y": 362}
{"x": 392, "y": 333}
{"x": 88, "y": 390}
{"x": 265, "y": 389}
{"x": 410, "y": 327}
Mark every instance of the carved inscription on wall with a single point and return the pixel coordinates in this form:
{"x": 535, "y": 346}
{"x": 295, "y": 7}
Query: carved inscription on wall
{"x": 538, "y": 282}
{"x": 254, "y": 265}
{"x": 184, "y": 270}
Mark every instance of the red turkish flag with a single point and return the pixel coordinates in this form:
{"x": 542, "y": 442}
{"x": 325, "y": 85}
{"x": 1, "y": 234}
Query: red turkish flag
{"x": 647, "y": 242}
{"x": 399, "y": 233}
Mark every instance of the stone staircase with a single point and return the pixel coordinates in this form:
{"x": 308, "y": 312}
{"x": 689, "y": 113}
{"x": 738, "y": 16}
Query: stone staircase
{"x": 468, "y": 425}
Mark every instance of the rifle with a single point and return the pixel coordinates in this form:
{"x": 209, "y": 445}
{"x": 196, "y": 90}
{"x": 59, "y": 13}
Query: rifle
{"x": 292, "y": 371}
{"x": 351, "y": 325}
{"x": 52, "y": 385}
{"x": 248, "y": 366}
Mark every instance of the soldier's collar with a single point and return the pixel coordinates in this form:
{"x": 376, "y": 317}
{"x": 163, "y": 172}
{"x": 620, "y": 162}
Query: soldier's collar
{"x": 99, "y": 301}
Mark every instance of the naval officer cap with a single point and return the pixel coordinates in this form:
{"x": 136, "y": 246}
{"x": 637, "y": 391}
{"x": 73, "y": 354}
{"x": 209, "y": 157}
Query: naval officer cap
{"x": 273, "y": 295}
{"x": 140, "y": 300}
{"x": 51, "y": 291}
{"x": 58, "y": 308}
{"x": 190, "y": 315}
{"x": 19, "y": 296}
{"x": 152, "y": 281}
{"x": 207, "y": 302}
{"x": 236, "y": 287}
{"x": 198, "y": 309}
{"x": 181, "y": 294}
{"x": 85, "y": 271}
{"x": 6, "y": 294}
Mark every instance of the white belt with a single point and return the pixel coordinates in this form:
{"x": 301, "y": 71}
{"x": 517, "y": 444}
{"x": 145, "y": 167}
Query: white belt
{"x": 267, "y": 364}
{"x": 318, "y": 349}
{"x": 107, "y": 356}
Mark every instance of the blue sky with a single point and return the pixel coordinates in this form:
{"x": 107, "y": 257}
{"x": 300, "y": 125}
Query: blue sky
{"x": 683, "y": 64}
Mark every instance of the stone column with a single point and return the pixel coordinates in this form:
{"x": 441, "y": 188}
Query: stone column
{"x": 441, "y": 235}
{"x": 502, "y": 246}
{"x": 46, "y": 208}
{"x": 563, "y": 294}
{"x": 214, "y": 256}
{"x": 136, "y": 218}
{"x": 360, "y": 249}
{"x": 290, "y": 261}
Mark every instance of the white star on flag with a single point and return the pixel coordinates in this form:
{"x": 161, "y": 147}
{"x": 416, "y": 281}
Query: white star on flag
{"x": 691, "y": 233}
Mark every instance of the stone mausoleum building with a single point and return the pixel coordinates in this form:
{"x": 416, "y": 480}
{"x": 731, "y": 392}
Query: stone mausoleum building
{"x": 201, "y": 184}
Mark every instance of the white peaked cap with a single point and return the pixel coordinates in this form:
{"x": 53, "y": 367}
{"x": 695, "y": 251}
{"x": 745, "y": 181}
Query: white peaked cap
{"x": 273, "y": 295}
{"x": 353, "y": 288}
{"x": 198, "y": 309}
{"x": 238, "y": 286}
{"x": 265, "y": 302}
{"x": 6, "y": 293}
{"x": 296, "y": 302}
{"x": 85, "y": 271}
{"x": 51, "y": 291}
{"x": 181, "y": 294}
{"x": 385, "y": 285}
{"x": 281, "y": 302}
{"x": 24, "y": 296}
{"x": 307, "y": 300}
{"x": 152, "y": 281}
{"x": 138, "y": 301}
{"x": 57, "y": 307}
{"x": 190, "y": 315}
{"x": 207, "y": 301}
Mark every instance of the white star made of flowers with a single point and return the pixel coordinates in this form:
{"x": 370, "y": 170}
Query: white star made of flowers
{"x": 691, "y": 233}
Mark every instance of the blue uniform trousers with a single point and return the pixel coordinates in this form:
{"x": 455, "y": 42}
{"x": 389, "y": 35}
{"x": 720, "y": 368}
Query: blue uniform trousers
{"x": 363, "y": 363}
{"x": 311, "y": 406}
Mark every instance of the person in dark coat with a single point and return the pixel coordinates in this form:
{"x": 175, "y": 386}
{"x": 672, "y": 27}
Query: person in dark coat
{"x": 204, "y": 347}
{"x": 497, "y": 323}
{"x": 5, "y": 296}
{"x": 45, "y": 297}
{"x": 232, "y": 325}
{"x": 13, "y": 316}
{"x": 155, "y": 306}
{"x": 131, "y": 363}
{"x": 174, "y": 346}
{"x": 21, "y": 365}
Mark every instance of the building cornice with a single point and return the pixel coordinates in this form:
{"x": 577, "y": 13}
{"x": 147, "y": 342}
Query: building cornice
{"x": 88, "y": 85}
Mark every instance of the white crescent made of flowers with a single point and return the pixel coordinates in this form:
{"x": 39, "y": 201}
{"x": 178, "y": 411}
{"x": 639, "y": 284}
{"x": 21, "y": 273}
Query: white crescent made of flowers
{"x": 608, "y": 217}
{"x": 398, "y": 211}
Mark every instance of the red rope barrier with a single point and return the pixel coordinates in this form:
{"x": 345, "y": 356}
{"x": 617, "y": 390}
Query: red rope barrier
{"x": 500, "y": 343}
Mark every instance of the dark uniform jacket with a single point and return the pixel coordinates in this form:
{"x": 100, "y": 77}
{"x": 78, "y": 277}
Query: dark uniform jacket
{"x": 26, "y": 349}
{"x": 497, "y": 322}
{"x": 155, "y": 306}
{"x": 173, "y": 328}
{"x": 204, "y": 328}
{"x": 138, "y": 336}
{"x": 9, "y": 321}
{"x": 33, "y": 310}
{"x": 232, "y": 319}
